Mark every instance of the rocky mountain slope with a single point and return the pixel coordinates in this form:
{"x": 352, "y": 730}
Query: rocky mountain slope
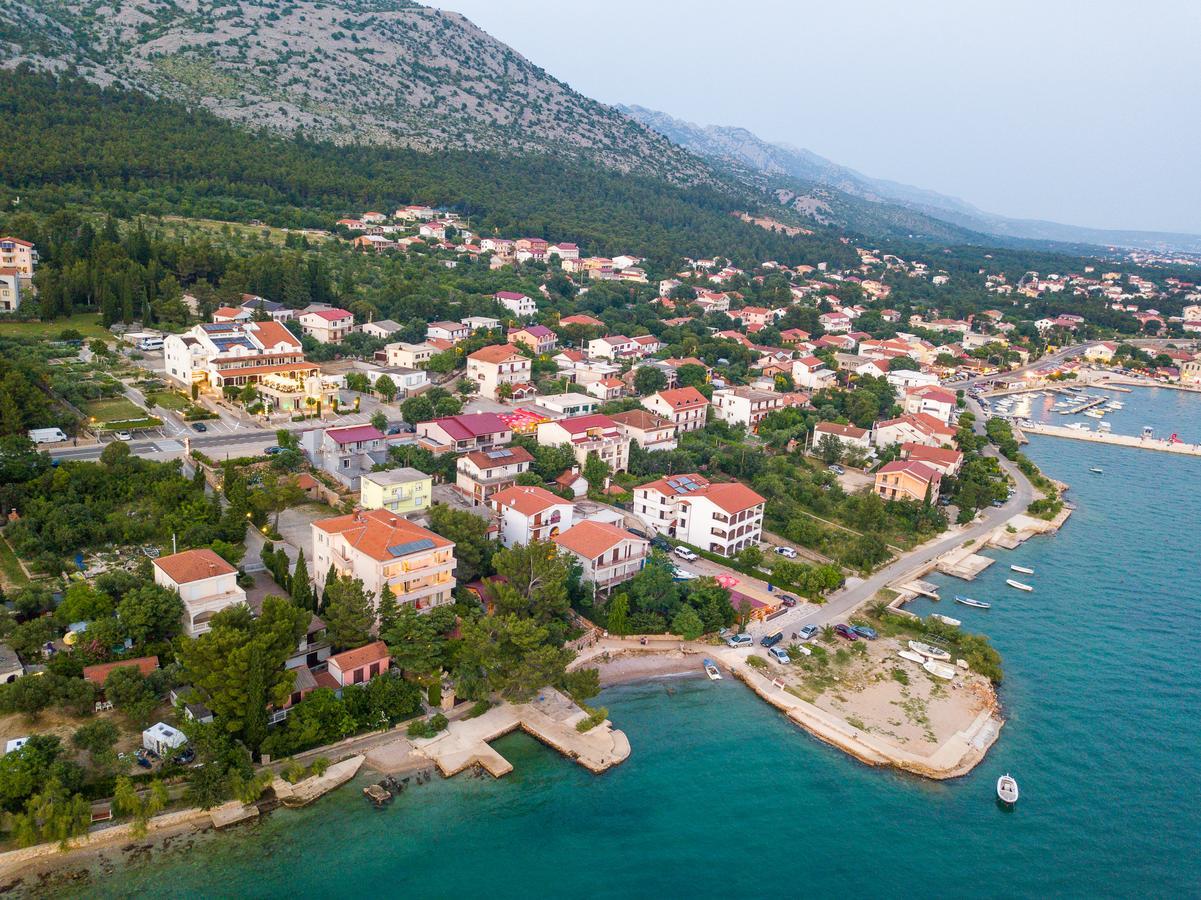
{"x": 830, "y": 193}
{"x": 362, "y": 71}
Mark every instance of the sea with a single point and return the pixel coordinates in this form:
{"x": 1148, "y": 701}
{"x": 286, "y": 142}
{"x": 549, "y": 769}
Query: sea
{"x": 723, "y": 797}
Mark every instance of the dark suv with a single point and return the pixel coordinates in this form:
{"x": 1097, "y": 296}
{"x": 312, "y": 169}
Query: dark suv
{"x": 772, "y": 639}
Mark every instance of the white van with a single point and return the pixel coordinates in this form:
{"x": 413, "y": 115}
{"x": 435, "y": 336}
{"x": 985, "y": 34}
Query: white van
{"x": 150, "y": 343}
{"x": 47, "y": 435}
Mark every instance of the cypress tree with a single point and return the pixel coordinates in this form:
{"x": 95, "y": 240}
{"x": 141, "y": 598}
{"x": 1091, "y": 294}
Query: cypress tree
{"x": 302, "y": 590}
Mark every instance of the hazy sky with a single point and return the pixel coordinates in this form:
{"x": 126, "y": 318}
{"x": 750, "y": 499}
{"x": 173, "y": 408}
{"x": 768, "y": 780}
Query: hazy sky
{"x": 1081, "y": 112}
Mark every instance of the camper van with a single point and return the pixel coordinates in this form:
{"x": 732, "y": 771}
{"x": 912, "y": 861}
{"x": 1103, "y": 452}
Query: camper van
{"x": 47, "y": 435}
{"x": 150, "y": 343}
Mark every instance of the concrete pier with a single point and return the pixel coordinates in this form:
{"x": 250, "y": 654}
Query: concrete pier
{"x": 1119, "y": 440}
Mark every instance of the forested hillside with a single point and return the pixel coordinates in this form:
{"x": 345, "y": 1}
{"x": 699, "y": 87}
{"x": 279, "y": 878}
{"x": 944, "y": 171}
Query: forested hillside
{"x": 70, "y": 143}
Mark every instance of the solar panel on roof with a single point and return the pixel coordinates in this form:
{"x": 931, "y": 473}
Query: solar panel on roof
{"x": 499, "y": 454}
{"x": 411, "y": 547}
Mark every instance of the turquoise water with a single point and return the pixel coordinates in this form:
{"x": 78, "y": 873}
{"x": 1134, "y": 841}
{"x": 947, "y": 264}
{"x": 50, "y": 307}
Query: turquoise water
{"x": 1165, "y": 410}
{"x": 722, "y": 797}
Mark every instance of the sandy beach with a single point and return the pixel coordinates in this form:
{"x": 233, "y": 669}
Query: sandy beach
{"x": 646, "y": 665}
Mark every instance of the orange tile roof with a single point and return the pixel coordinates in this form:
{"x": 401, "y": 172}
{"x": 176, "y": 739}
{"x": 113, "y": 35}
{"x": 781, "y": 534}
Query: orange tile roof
{"x": 731, "y": 496}
{"x": 642, "y": 419}
{"x": 270, "y": 333}
{"x": 496, "y": 353}
{"x": 350, "y": 660}
{"x": 375, "y": 532}
{"x": 278, "y": 369}
{"x": 590, "y": 539}
{"x": 528, "y": 500}
{"x": 483, "y": 460}
{"x": 193, "y": 565}
{"x": 683, "y": 398}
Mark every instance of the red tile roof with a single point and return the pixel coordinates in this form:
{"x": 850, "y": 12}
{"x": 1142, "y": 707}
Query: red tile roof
{"x": 352, "y": 434}
{"x": 382, "y": 534}
{"x": 193, "y": 565}
{"x": 377, "y": 651}
{"x": 590, "y": 539}
{"x": 528, "y": 500}
{"x": 683, "y": 398}
{"x": 331, "y": 315}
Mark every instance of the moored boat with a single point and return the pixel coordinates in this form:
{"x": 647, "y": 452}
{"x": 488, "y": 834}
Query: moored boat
{"x": 1025, "y": 570}
{"x": 928, "y": 650}
{"x": 975, "y": 604}
{"x": 911, "y": 656}
{"x": 1007, "y": 789}
{"x": 1018, "y": 585}
{"x": 712, "y": 671}
{"x": 939, "y": 669}
{"x": 1097, "y": 470}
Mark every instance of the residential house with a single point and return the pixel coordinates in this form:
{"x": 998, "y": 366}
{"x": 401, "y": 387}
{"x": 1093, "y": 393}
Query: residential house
{"x": 386, "y": 552}
{"x": 326, "y": 326}
{"x": 579, "y": 319}
{"x": 686, "y": 408}
{"x": 405, "y": 491}
{"x": 527, "y": 513}
{"x": 518, "y": 304}
{"x": 572, "y": 481}
{"x": 609, "y": 555}
{"x": 847, "y": 435}
{"x": 564, "y": 251}
{"x": 18, "y": 254}
{"x": 811, "y": 373}
{"x": 1101, "y": 352}
{"x": 500, "y": 372}
{"x": 588, "y": 434}
{"x": 480, "y": 323}
{"x": 908, "y": 479}
{"x": 566, "y": 406}
{"x": 10, "y": 290}
{"x": 919, "y": 429}
{"x": 537, "y": 338}
{"x": 464, "y": 433}
{"x": 614, "y": 346}
{"x": 481, "y": 474}
{"x": 946, "y": 460}
{"x": 722, "y": 518}
{"x": 205, "y": 582}
{"x": 447, "y": 331}
{"x": 745, "y": 406}
{"x": 346, "y": 453}
{"x": 409, "y": 356}
{"x": 835, "y": 322}
{"x": 231, "y": 314}
{"x": 647, "y": 430}
{"x": 359, "y": 665}
{"x": 932, "y": 400}
{"x": 383, "y": 329}
{"x": 260, "y": 306}
{"x": 606, "y": 389}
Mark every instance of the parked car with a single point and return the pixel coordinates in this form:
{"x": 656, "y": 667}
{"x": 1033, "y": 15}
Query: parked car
{"x": 786, "y": 551}
{"x": 865, "y": 631}
{"x": 838, "y": 470}
{"x": 808, "y": 631}
{"x": 661, "y": 543}
{"x": 740, "y": 640}
{"x": 779, "y": 656}
{"x": 185, "y": 756}
{"x": 788, "y": 600}
{"x": 846, "y": 631}
{"x": 998, "y": 503}
{"x": 199, "y": 426}
{"x": 638, "y": 532}
{"x": 770, "y": 640}
{"x": 271, "y": 451}
{"x": 685, "y": 553}
{"x": 123, "y": 436}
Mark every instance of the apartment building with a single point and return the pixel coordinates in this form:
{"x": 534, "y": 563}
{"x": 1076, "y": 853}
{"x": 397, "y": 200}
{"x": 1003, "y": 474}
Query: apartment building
{"x": 745, "y": 406}
{"x": 723, "y": 518}
{"x": 527, "y": 513}
{"x": 609, "y": 555}
{"x": 480, "y": 475}
{"x": 405, "y": 491}
{"x": 18, "y": 254}
{"x": 464, "y": 433}
{"x": 518, "y": 304}
{"x": 537, "y": 338}
{"x": 447, "y": 331}
{"x": 387, "y": 553}
{"x": 326, "y": 326}
{"x": 10, "y": 290}
{"x": 409, "y": 356}
{"x": 499, "y": 365}
{"x": 346, "y": 453}
{"x": 908, "y": 479}
{"x": 647, "y": 430}
{"x": 204, "y": 581}
{"x": 589, "y": 434}
{"x": 686, "y": 408}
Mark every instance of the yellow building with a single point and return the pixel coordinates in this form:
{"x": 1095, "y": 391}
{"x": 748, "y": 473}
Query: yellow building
{"x": 402, "y": 491}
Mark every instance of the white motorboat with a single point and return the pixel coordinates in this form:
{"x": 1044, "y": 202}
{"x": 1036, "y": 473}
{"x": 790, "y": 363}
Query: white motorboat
{"x": 1007, "y": 789}
{"x": 1018, "y": 585}
{"x": 712, "y": 671}
{"x": 1095, "y": 413}
{"x": 939, "y": 669}
{"x": 1097, "y": 470}
{"x": 1023, "y": 569}
{"x": 928, "y": 651}
{"x": 911, "y": 656}
{"x": 975, "y": 604}
{"x": 946, "y": 620}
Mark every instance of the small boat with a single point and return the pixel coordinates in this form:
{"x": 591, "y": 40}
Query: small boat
{"x": 1018, "y": 585}
{"x": 1097, "y": 470}
{"x": 911, "y": 656}
{"x": 946, "y": 620}
{"x": 975, "y": 604}
{"x": 1095, "y": 413}
{"x": 939, "y": 669}
{"x": 1007, "y": 789}
{"x": 1023, "y": 569}
{"x": 712, "y": 671}
{"x": 928, "y": 651}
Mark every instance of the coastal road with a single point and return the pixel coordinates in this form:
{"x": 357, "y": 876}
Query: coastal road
{"x": 239, "y": 442}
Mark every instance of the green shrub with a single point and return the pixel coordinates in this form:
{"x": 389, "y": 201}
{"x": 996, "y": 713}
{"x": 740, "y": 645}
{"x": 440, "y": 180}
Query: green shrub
{"x": 479, "y": 708}
{"x": 598, "y": 715}
{"x": 757, "y": 662}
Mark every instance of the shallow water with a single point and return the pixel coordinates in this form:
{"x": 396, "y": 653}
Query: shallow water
{"x": 724, "y": 797}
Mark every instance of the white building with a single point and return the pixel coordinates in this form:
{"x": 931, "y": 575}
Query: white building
{"x": 934, "y": 401}
{"x": 204, "y": 581}
{"x": 10, "y": 290}
{"x": 499, "y": 365}
{"x": 586, "y": 435}
{"x": 327, "y": 326}
{"x": 518, "y": 304}
{"x": 527, "y": 513}
{"x": 686, "y": 408}
{"x": 745, "y": 406}
{"x": 409, "y": 356}
{"x": 721, "y": 518}
{"x": 608, "y": 555}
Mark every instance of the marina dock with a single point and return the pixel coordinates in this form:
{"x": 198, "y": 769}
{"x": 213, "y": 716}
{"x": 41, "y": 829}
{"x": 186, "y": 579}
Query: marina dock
{"x": 1088, "y": 403}
{"x": 1120, "y": 440}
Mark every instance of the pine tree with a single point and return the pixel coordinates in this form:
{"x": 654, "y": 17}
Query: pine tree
{"x": 302, "y": 589}
{"x": 330, "y": 577}
{"x": 388, "y": 612}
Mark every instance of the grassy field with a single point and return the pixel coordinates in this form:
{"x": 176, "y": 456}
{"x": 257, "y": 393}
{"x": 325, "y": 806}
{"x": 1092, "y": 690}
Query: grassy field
{"x": 115, "y": 409}
{"x": 168, "y": 400}
{"x": 87, "y": 324}
{"x": 217, "y": 228}
{"x": 10, "y": 569}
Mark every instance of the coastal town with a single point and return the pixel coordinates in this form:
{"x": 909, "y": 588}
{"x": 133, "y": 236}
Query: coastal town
{"x": 259, "y": 543}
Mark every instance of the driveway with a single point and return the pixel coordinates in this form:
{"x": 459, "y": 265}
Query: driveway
{"x": 295, "y": 528}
